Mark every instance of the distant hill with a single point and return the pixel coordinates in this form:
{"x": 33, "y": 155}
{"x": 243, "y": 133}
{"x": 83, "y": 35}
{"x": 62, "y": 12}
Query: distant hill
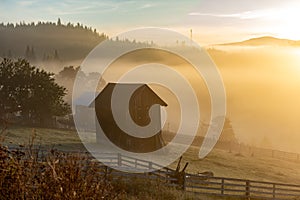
{"x": 265, "y": 41}
{"x": 53, "y": 45}
{"x": 48, "y": 41}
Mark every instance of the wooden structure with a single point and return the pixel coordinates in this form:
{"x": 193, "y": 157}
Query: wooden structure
{"x": 140, "y": 103}
{"x": 193, "y": 183}
{"x": 177, "y": 176}
{"x": 204, "y": 185}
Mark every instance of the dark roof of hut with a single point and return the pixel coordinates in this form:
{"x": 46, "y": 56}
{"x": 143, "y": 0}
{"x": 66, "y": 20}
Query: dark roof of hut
{"x": 108, "y": 90}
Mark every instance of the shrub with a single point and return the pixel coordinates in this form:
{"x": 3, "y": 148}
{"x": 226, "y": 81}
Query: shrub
{"x": 28, "y": 174}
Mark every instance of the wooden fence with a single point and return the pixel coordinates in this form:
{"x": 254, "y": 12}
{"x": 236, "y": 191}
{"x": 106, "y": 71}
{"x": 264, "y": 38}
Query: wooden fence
{"x": 207, "y": 185}
{"x": 248, "y": 189}
{"x": 218, "y": 186}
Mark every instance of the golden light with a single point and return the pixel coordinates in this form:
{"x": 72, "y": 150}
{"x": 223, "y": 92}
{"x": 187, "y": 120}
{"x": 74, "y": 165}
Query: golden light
{"x": 287, "y": 19}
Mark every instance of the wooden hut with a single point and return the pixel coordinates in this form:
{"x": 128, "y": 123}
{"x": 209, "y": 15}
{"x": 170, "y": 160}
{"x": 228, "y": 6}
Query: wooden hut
{"x": 140, "y": 103}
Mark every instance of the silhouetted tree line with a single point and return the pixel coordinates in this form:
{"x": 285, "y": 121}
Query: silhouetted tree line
{"x": 69, "y": 25}
{"x": 49, "y": 41}
{"x": 55, "y": 44}
{"x": 51, "y": 57}
{"x": 30, "y": 54}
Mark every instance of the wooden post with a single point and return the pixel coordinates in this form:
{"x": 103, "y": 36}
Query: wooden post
{"x": 222, "y": 187}
{"x": 180, "y": 176}
{"x": 184, "y": 181}
{"x": 105, "y": 173}
{"x": 167, "y": 176}
{"x": 150, "y": 165}
{"x": 248, "y": 189}
{"x": 274, "y": 190}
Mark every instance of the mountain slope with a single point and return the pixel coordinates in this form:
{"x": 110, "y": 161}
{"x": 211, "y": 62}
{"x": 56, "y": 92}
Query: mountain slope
{"x": 48, "y": 41}
{"x": 265, "y": 41}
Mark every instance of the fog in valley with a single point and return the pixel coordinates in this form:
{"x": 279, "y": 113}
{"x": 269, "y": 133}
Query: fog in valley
{"x": 262, "y": 90}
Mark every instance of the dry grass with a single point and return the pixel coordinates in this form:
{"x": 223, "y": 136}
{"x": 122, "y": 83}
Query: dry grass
{"x": 26, "y": 174}
{"x": 258, "y": 167}
{"x": 29, "y": 173}
{"x": 221, "y": 162}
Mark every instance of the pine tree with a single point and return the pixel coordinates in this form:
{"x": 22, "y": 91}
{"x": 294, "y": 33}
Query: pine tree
{"x": 228, "y": 132}
{"x": 9, "y": 54}
{"x": 33, "y": 57}
{"x": 58, "y": 22}
{"x": 27, "y": 53}
{"x": 56, "y": 56}
{"x": 44, "y": 57}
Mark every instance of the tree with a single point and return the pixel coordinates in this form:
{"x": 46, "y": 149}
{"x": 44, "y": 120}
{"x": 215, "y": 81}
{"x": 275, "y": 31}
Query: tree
{"x": 30, "y": 91}
{"x": 56, "y": 56}
{"x": 30, "y": 54}
{"x": 9, "y": 54}
{"x": 33, "y": 57}
{"x": 228, "y": 132}
{"x": 227, "y": 136}
{"x": 68, "y": 75}
{"x": 27, "y": 52}
{"x": 58, "y": 22}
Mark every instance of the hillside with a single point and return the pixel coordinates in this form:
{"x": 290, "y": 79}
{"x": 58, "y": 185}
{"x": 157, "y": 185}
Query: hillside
{"x": 48, "y": 41}
{"x": 53, "y": 45}
{"x": 265, "y": 41}
{"x": 223, "y": 163}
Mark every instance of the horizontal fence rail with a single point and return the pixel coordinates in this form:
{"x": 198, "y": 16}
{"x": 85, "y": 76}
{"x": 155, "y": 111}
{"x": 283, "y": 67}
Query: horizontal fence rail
{"x": 221, "y": 186}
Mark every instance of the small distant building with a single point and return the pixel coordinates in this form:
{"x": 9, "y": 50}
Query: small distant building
{"x": 142, "y": 99}
{"x": 85, "y": 118}
{"x": 84, "y": 115}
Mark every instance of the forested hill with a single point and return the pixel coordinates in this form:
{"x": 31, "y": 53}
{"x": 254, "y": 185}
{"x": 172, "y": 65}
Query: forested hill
{"x": 48, "y": 41}
{"x": 53, "y": 45}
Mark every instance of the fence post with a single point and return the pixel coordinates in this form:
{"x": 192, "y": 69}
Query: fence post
{"x": 222, "y": 187}
{"x": 248, "y": 189}
{"x": 274, "y": 190}
{"x": 184, "y": 181}
{"x": 119, "y": 160}
{"x": 105, "y": 173}
{"x": 150, "y": 165}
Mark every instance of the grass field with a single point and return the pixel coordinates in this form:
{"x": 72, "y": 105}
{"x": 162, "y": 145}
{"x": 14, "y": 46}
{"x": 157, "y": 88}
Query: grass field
{"x": 221, "y": 163}
{"x": 226, "y": 164}
{"x": 46, "y": 138}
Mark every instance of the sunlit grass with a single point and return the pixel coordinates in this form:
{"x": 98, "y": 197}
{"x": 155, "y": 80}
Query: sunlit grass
{"x": 220, "y": 162}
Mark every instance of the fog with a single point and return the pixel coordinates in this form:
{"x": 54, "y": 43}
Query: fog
{"x": 262, "y": 86}
{"x": 262, "y": 90}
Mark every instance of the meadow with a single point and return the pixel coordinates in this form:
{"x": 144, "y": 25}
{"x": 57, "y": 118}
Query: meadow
{"x": 25, "y": 174}
{"x": 221, "y": 162}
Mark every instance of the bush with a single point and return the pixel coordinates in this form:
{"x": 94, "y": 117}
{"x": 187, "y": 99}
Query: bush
{"x": 27, "y": 174}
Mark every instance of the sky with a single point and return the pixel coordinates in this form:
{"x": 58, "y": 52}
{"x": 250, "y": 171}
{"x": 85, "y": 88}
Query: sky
{"x": 212, "y": 21}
